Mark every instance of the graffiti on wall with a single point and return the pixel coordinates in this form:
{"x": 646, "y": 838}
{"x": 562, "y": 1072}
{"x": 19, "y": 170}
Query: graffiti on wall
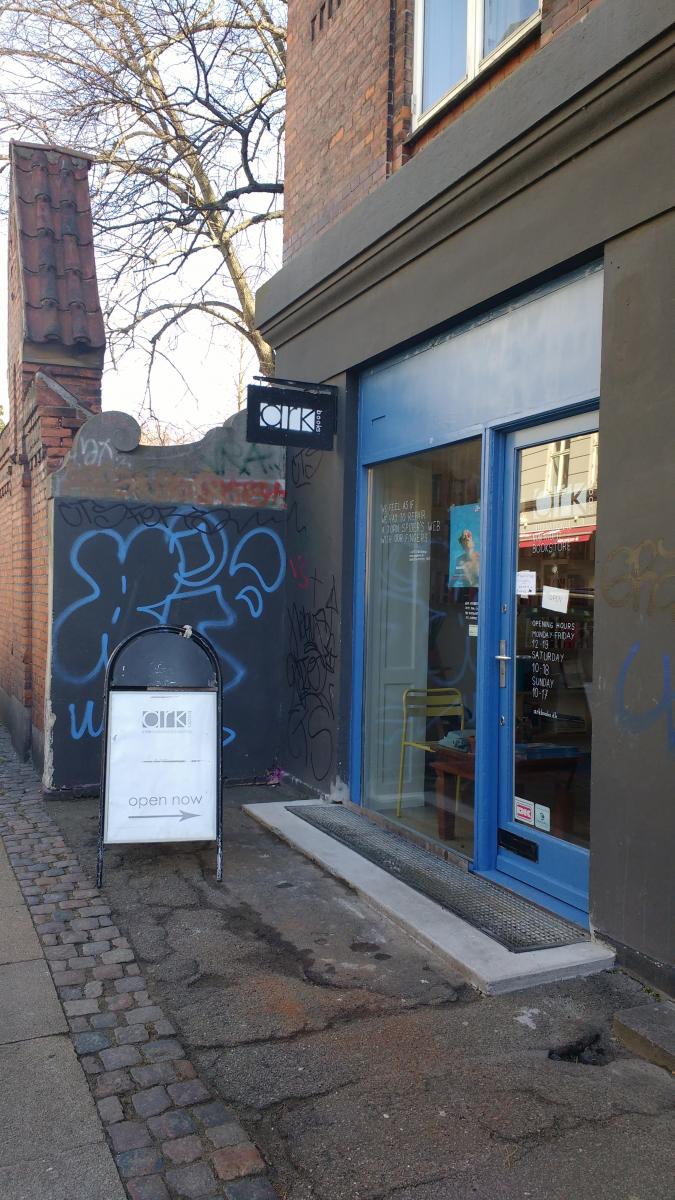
{"x": 660, "y": 707}
{"x": 310, "y": 671}
{"x": 313, "y": 629}
{"x": 125, "y": 566}
{"x": 222, "y": 469}
{"x": 161, "y": 486}
{"x": 304, "y": 466}
{"x": 642, "y": 578}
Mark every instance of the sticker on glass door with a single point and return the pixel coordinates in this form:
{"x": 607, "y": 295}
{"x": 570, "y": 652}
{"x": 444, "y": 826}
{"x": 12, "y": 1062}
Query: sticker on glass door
{"x": 550, "y": 573}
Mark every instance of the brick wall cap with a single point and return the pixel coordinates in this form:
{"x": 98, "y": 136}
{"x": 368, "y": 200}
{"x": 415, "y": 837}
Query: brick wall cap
{"x": 51, "y": 211}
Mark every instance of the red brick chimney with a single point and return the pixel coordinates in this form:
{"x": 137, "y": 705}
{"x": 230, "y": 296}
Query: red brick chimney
{"x": 56, "y": 346}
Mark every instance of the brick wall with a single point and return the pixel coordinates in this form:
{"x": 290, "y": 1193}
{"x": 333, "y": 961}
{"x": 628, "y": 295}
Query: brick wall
{"x": 349, "y": 115}
{"x": 39, "y": 432}
{"x": 337, "y": 111}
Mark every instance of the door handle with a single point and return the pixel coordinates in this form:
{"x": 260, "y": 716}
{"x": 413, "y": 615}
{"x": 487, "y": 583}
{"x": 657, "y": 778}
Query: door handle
{"x": 502, "y": 658}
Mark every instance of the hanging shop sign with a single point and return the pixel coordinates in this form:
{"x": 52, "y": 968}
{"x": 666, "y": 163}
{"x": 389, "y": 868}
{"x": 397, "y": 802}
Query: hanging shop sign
{"x": 285, "y": 412}
{"x": 161, "y": 773}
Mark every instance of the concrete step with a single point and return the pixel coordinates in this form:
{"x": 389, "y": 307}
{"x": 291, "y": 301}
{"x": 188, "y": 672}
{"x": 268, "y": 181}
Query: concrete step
{"x": 649, "y": 1032}
{"x": 479, "y": 959}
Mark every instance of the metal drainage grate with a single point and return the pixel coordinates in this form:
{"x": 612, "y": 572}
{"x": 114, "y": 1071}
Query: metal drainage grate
{"x": 509, "y": 919}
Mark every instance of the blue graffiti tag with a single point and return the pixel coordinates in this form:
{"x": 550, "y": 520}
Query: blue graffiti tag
{"x": 117, "y": 589}
{"x": 638, "y": 722}
{"x": 86, "y": 722}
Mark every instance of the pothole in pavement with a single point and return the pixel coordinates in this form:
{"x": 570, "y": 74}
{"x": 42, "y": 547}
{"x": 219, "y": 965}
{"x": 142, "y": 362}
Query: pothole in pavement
{"x": 589, "y": 1051}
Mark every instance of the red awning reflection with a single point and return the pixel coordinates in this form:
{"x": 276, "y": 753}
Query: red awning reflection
{"x": 552, "y": 537}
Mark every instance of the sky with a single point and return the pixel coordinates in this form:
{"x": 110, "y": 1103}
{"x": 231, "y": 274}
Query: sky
{"x": 196, "y": 384}
{"x": 211, "y": 367}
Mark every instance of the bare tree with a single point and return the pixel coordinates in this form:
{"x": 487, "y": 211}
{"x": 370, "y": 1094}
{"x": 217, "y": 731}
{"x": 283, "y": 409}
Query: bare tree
{"x": 181, "y": 104}
{"x": 163, "y": 433}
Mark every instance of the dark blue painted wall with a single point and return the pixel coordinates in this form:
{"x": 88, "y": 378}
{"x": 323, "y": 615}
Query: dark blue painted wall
{"x": 119, "y": 567}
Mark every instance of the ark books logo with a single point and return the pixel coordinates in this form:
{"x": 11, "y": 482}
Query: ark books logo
{"x": 174, "y": 718}
{"x": 290, "y": 416}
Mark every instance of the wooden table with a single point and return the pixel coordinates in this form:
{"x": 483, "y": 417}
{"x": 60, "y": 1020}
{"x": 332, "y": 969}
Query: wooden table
{"x": 458, "y": 764}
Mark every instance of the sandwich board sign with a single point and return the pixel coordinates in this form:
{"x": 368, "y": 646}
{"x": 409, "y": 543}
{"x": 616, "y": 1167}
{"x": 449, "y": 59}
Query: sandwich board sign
{"x": 161, "y": 774}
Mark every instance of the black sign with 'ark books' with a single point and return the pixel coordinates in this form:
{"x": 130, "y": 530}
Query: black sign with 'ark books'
{"x": 284, "y": 412}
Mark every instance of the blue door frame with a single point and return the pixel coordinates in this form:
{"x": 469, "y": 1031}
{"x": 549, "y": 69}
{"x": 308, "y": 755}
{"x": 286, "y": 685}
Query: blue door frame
{"x": 568, "y": 394}
{"x": 561, "y": 871}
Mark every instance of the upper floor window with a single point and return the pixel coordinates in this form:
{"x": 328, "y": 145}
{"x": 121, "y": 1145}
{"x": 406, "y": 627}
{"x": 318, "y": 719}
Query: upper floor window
{"x": 455, "y": 39}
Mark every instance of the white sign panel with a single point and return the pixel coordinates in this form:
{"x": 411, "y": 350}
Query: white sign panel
{"x": 161, "y": 783}
{"x": 557, "y": 599}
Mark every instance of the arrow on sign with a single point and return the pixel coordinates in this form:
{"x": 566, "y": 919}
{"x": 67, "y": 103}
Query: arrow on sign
{"x": 181, "y": 816}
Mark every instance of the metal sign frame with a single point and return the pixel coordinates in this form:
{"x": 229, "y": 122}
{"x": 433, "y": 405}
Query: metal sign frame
{"x": 301, "y": 414}
{"x": 180, "y": 631}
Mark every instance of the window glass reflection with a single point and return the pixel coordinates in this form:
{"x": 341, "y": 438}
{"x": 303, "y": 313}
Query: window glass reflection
{"x": 444, "y": 55}
{"x": 555, "y": 595}
{"x": 502, "y": 19}
{"x": 422, "y": 632}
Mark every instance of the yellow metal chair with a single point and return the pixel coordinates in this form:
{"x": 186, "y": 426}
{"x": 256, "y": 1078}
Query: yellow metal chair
{"x": 427, "y": 703}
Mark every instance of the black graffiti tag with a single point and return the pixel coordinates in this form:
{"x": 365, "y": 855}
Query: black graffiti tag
{"x": 310, "y": 670}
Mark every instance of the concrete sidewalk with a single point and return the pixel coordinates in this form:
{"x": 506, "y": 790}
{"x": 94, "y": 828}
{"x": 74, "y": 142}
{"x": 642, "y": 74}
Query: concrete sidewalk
{"x": 98, "y": 1099}
{"x": 279, "y": 1010}
{"x": 52, "y": 1142}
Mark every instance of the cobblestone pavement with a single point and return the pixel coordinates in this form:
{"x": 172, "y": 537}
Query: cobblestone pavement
{"x": 170, "y": 1136}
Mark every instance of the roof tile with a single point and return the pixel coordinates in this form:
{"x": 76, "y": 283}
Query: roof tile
{"x": 50, "y": 197}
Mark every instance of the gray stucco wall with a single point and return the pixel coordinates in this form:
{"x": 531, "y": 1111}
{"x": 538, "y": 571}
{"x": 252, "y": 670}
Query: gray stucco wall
{"x": 588, "y": 179}
{"x": 319, "y": 594}
{"x": 633, "y": 781}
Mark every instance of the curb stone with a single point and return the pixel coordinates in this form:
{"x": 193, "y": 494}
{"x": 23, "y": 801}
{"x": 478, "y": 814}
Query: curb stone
{"x": 161, "y": 1121}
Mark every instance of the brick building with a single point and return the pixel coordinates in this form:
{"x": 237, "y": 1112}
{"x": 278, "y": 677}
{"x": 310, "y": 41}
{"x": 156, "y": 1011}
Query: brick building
{"x": 56, "y": 346}
{"x": 479, "y": 242}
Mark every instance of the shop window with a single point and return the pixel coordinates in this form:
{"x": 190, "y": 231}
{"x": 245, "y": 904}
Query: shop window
{"x": 424, "y": 559}
{"x": 457, "y": 39}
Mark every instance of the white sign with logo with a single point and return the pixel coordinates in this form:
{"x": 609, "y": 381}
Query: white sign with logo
{"x": 161, "y": 783}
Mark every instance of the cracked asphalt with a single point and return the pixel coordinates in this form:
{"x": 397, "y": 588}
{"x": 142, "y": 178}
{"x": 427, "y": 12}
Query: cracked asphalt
{"x": 362, "y": 1066}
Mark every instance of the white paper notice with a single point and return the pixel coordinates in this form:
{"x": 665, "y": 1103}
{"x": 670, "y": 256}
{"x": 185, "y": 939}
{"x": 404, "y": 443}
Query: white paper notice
{"x": 161, "y": 781}
{"x": 526, "y": 583}
{"x": 556, "y": 599}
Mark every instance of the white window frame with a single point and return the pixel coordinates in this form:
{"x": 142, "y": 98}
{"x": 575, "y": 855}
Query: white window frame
{"x": 593, "y": 463}
{"x": 475, "y": 64}
{"x": 558, "y": 466}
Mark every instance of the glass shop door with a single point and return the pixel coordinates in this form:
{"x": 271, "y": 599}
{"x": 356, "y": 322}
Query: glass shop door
{"x": 544, "y": 663}
{"x": 423, "y": 582}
